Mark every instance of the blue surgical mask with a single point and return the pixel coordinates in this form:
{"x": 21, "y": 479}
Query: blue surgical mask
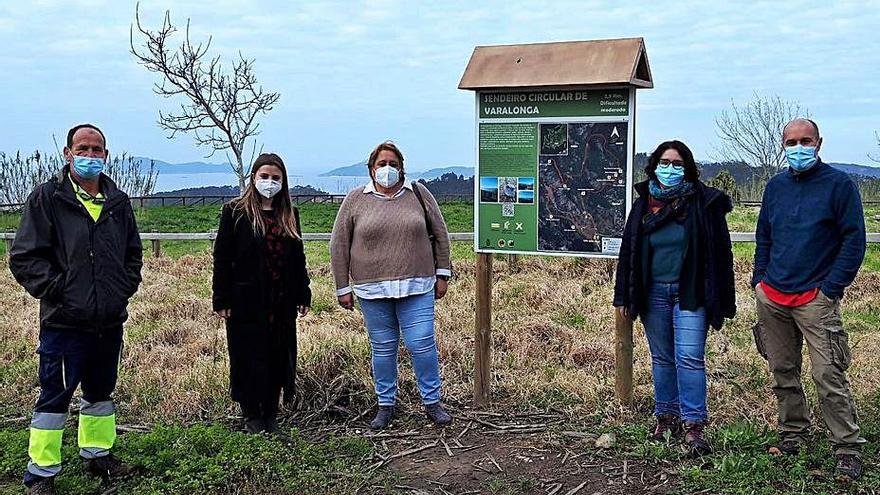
{"x": 801, "y": 158}
{"x": 88, "y": 168}
{"x": 669, "y": 175}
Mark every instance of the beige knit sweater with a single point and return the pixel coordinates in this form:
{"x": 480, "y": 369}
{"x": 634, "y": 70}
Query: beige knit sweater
{"x": 376, "y": 239}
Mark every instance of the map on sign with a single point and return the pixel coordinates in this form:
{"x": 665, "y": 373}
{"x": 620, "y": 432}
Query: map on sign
{"x": 554, "y": 171}
{"x": 582, "y": 186}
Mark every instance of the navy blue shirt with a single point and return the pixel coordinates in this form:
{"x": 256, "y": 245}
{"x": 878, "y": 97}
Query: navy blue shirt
{"x": 811, "y": 232}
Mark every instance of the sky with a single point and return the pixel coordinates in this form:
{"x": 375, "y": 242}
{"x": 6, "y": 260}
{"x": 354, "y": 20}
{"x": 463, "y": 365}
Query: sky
{"x": 353, "y": 74}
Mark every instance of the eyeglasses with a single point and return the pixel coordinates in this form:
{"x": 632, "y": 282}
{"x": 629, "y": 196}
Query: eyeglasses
{"x": 674, "y": 163}
{"x": 392, "y": 163}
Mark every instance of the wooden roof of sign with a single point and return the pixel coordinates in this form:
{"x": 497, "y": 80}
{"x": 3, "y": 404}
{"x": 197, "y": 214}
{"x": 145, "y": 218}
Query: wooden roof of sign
{"x": 565, "y": 64}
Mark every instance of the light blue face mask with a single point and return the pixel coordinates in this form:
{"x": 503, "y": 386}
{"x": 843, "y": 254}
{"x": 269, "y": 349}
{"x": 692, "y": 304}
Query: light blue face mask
{"x": 88, "y": 168}
{"x": 669, "y": 175}
{"x": 801, "y": 158}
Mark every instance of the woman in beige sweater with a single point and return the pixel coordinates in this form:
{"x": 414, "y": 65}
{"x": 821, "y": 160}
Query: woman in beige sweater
{"x": 390, "y": 248}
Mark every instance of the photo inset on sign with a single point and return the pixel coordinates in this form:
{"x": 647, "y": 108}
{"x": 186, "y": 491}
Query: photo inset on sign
{"x": 507, "y": 187}
{"x": 488, "y": 189}
{"x": 554, "y": 139}
{"x": 527, "y": 190}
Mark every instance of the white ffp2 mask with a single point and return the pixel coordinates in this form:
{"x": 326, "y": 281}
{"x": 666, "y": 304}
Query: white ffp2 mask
{"x": 387, "y": 176}
{"x": 268, "y": 188}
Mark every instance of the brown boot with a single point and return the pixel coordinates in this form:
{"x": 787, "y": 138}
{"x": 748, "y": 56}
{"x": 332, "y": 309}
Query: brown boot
{"x": 668, "y": 426}
{"x": 108, "y": 467}
{"x": 44, "y": 486}
{"x": 694, "y": 438}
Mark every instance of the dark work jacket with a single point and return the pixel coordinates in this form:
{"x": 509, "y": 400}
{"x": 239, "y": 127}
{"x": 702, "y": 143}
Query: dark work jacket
{"x": 82, "y": 271}
{"x": 242, "y": 284}
{"x": 715, "y": 257}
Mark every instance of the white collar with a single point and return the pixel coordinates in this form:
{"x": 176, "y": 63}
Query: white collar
{"x": 371, "y": 188}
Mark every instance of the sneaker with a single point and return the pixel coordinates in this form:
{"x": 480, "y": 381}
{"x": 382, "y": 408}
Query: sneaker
{"x": 383, "y": 418}
{"x": 849, "y": 467}
{"x": 43, "y": 486}
{"x": 695, "y": 440}
{"x": 108, "y": 467}
{"x": 436, "y": 414}
{"x": 666, "y": 423}
{"x": 786, "y": 447}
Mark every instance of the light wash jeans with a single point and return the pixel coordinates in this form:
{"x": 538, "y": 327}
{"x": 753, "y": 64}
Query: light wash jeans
{"x": 386, "y": 320}
{"x": 677, "y": 339}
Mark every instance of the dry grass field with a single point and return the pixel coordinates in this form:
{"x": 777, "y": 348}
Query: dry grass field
{"x": 552, "y": 357}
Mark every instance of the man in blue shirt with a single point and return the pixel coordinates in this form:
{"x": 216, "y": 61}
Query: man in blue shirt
{"x": 810, "y": 243}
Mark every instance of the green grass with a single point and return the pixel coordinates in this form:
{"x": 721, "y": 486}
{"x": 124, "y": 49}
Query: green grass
{"x": 206, "y": 459}
{"x": 740, "y": 464}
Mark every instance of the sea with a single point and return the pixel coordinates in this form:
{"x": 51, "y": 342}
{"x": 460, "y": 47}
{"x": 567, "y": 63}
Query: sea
{"x": 332, "y": 185}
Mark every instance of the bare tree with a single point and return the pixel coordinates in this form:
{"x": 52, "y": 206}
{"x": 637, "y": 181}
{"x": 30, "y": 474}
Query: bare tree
{"x": 20, "y": 174}
{"x": 220, "y": 108}
{"x": 753, "y": 133}
{"x": 876, "y": 158}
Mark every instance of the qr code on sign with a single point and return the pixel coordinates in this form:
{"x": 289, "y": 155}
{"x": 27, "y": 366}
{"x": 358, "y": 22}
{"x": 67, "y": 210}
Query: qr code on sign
{"x": 506, "y": 209}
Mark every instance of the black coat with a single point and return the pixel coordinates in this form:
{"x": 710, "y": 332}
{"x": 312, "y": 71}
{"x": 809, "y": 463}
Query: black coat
{"x": 242, "y": 284}
{"x": 82, "y": 271}
{"x": 716, "y": 255}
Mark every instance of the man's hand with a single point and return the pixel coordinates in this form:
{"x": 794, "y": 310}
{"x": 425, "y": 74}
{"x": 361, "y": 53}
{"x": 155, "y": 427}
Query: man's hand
{"x": 440, "y": 288}
{"x": 623, "y": 311}
{"x": 346, "y": 301}
{"x": 224, "y": 313}
{"x": 303, "y": 310}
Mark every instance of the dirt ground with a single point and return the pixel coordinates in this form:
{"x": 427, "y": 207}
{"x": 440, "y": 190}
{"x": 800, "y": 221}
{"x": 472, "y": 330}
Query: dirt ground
{"x": 503, "y": 454}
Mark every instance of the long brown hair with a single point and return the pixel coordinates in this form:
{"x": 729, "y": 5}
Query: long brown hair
{"x": 250, "y": 202}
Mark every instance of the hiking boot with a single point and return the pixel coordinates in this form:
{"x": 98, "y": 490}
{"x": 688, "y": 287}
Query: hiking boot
{"x": 786, "y": 447}
{"x": 668, "y": 426}
{"x": 383, "y": 418}
{"x": 108, "y": 467}
{"x": 849, "y": 467}
{"x": 436, "y": 414}
{"x": 276, "y": 432}
{"x": 694, "y": 438}
{"x": 43, "y": 486}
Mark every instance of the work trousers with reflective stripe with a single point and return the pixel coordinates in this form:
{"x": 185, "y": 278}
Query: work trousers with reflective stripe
{"x": 69, "y": 359}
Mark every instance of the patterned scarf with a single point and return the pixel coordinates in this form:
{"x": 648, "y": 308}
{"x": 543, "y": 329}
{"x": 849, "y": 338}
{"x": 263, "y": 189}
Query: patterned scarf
{"x": 667, "y": 194}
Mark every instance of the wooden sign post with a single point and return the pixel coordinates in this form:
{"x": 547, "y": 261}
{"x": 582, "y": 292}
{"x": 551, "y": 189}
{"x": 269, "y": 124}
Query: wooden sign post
{"x": 555, "y": 141}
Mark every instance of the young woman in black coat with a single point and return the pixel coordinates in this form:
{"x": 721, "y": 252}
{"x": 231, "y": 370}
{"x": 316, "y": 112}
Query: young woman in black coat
{"x": 260, "y": 284}
{"x": 675, "y": 272}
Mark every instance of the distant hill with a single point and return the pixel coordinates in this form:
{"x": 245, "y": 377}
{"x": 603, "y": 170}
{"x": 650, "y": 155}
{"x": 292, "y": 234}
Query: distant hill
{"x": 229, "y": 191}
{"x": 356, "y": 170}
{"x": 360, "y": 170}
{"x": 860, "y": 170}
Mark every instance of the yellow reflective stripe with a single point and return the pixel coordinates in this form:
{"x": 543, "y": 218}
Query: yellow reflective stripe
{"x": 44, "y": 448}
{"x": 97, "y": 431}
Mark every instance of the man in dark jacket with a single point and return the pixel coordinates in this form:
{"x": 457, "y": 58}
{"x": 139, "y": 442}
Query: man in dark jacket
{"x": 810, "y": 243}
{"x": 78, "y": 251}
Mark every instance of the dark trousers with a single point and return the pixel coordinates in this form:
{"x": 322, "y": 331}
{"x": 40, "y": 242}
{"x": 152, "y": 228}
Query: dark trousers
{"x": 69, "y": 359}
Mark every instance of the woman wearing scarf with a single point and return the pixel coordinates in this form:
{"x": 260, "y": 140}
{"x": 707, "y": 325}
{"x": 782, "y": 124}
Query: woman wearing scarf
{"x": 675, "y": 272}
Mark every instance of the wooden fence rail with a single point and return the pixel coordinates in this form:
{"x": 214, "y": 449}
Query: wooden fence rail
{"x": 156, "y": 238}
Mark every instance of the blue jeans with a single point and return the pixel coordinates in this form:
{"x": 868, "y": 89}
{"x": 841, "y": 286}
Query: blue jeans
{"x": 413, "y": 317}
{"x": 677, "y": 339}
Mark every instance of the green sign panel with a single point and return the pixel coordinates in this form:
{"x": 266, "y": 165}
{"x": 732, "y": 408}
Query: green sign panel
{"x": 554, "y": 187}
{"x": 539, "y": 104}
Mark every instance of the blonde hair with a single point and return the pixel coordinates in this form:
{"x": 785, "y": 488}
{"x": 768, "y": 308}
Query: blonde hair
{"x": 251, "y": 204}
